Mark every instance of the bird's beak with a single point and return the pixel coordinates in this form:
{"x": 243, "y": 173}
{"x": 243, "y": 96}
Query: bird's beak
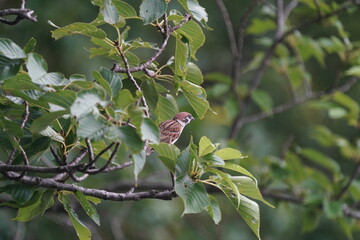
{"x": 192, "y": 118}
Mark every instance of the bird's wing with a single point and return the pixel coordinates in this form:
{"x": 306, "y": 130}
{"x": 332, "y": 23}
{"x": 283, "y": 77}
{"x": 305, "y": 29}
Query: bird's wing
{"x": 170, "y": 131}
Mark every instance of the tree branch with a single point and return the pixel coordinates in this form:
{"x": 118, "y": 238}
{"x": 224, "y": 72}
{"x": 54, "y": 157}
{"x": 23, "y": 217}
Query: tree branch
{"x": 22, "y": 13}
{"x": 237, "y": 56}
{"x": 229, "y": 27}
{"x": 129, "y": 196}
{"x": 131, "y": 77}
{"x": 95, "y": 171}
{"x": 26, "y": 115}
{"x": 350, "y": 212}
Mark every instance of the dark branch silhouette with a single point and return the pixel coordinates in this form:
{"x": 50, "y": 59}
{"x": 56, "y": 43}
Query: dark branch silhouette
{"x": 20, "y": 13}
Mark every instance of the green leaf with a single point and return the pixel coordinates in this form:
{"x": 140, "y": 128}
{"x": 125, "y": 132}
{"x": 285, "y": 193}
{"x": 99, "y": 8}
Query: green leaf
{"x": 151, "y": 10}
{"x": 20, "y": 193}
{"x": 35, "y": 149}
{"x": 237, "y": 168}
{"x": 124, "y": 9}
{"x": 212, "y": 159}
{"x": 36, "y": 66}
{"x": 105, "y": 84}
{"x": 184, "y": 161}
{"x": 337, "y": 112}
{"x": 12, "y": 128}
{"x": 110, "y": 13}
{"x": 10, "y": 50}
{"x": 51, "y": 133}
{"x": 169, "y": 163}
{"x": 310, "y": 219}
{"x": 168, "y": 150}
{"x": 333, "y": 209}
{"x": 20, "y": 82}
{"x": 218, "y": 77}
{"x": 191, "y": 31}
{"x": 168, "y": 154}
{"x": 259, "y": 26}
{"x": 197, "y": 11}
{"x": 64, "y": 98}
{"x": 225, "y": 180}
{"x": 228, "y": 153}
{"x": 85, "y": 103}
{"x": 126, "y": 134}
{"x": 139, "y": 160}
{"x": 55, "y": 79}
{"x": 194, "y": 74}
{"x": 350, "y": 104}
{"x": 78, "y": 28}
{"x": 248, "y": 186}
{"x": 149, "y": 131}
{"x": 308, "y": 48}
{"x": 92, "y": 128}
{"x": 321, "y": 159}
{"x": 86, "y": 205}
{"x": 181, "y": 56}
{"x": 205, "y": 146}
{"x": 30, "y": 46}
{"x": 150, "y": 93}
{"x": 82, "y": 231}
{"x": 113, "y": 79}
{"x": 262, "y": 99}
{"x": 196, "y": 96}
{"x": 249, "y": 211}
{"x": 124, "y": 99}
{"x": 214, "y": 210}
{"x": 193, "y": 194}
{"x": 44, "y": 201}
{"x": 9, "y": 67}
{"x": 166, "y": 108}
{"x": 45, "y": 120}
{"x": 353, "y": 71}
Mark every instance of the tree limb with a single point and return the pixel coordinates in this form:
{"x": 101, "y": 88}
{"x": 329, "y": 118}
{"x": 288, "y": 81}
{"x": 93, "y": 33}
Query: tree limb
{"x": 229, "y": 27}
{"x": 22, "y": 13}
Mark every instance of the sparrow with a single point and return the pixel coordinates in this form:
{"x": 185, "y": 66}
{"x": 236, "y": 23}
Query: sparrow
{"x": 170, "y": 130}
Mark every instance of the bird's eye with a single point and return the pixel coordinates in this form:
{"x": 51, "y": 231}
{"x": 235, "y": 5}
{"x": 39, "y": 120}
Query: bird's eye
{"x": 186, "y": 120}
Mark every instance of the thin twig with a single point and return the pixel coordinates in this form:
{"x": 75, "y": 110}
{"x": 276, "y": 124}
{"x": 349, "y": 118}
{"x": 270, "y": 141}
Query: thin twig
{"x": 91, "y": 152}
{"x": 11, "y": 156}
{"x": 128, "y": 73}
{"x": 56, "y": 156}
{"x": 240, "y": 42}
{"x": 96, "y": 171}
{"x": 26, "y": 115}
{"x": 103, "y": 151}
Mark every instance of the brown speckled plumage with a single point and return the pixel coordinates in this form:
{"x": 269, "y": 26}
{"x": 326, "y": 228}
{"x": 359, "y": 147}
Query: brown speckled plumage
{"x": 170, "y": 130}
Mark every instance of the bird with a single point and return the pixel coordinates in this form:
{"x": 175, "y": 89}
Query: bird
{"x": 170, "y": 130}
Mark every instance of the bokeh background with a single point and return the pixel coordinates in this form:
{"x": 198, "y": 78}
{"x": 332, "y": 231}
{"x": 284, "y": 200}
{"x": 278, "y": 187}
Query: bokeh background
{"x": 262, "y": 141}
